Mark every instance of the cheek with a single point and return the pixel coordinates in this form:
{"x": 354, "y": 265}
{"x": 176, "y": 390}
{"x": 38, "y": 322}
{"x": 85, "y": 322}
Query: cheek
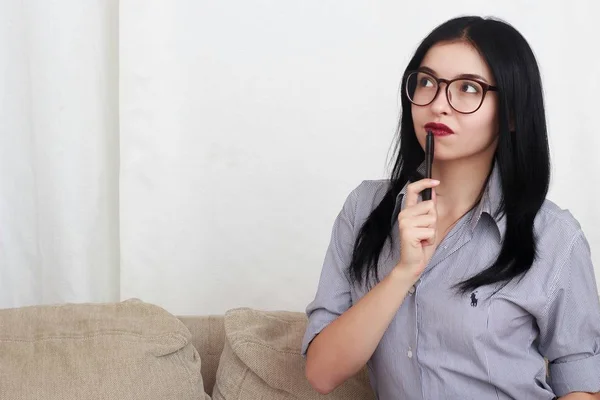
{"x": 420, "y": 117}
{"x": 482, "y": 126}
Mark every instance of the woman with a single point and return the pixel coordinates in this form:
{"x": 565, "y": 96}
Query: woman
{"x": 465, "y": 295}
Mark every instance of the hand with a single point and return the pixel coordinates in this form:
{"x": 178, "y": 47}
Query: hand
{"x": 418, "y": 229}
{"x": 580, "y": 396}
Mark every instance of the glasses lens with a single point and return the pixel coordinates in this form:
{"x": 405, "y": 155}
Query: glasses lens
{"x": 421, "y": 88}
{"x": 465, "y": 95}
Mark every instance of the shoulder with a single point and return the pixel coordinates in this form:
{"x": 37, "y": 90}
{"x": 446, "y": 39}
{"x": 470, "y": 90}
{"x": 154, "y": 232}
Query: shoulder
{"x": 559, "y": 238}
{"x": 364, "y": 198}
{"x": 561, "y": 249}
{"x": 555, "y": 222}
{"x": 369, "y": 194}
{"x": 371, "y": 191}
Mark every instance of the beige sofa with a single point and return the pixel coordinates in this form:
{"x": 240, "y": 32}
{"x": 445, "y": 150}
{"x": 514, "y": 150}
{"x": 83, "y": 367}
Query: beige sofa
{"x": 135, "y": 350}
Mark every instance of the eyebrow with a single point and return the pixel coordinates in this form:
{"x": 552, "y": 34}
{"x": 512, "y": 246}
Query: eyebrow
{"x": 467, "y": 76}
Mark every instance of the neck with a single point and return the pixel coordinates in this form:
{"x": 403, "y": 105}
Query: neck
{"x": 461, "y": 184}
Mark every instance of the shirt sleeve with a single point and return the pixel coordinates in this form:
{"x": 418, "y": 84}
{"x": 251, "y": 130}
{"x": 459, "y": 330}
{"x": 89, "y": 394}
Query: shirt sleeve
{"x": 333, "y": 295}
{"x": 570, "y": 323}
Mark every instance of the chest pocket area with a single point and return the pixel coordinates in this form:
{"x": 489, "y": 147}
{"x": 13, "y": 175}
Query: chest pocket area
{"x": 455, "y": 322}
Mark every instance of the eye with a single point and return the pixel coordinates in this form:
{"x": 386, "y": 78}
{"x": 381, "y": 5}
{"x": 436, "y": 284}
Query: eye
{"x": 426, "y": 82}
{"x": 469, "y": 87}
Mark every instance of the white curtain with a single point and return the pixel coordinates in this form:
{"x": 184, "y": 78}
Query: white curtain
{"x": 59, "y": 152}
{"x": 195, "y": 153}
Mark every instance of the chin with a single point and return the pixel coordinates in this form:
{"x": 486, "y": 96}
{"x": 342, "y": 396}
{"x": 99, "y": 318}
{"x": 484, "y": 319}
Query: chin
{"x": 442, "y": 157}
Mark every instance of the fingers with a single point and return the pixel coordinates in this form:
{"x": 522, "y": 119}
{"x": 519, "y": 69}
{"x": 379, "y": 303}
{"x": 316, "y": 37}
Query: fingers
{"x": 418, "y": 230}
{"x": 413, "y": 190}
{"x": 418, "y": 237}
{"x": 419, "y": 221}
{"x": 424, "y": 207}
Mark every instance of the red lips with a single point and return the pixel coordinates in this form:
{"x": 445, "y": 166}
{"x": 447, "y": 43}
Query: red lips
{"x": 438, "y": 129}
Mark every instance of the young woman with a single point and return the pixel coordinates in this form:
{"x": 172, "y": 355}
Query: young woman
{"x": 466, "y": 295}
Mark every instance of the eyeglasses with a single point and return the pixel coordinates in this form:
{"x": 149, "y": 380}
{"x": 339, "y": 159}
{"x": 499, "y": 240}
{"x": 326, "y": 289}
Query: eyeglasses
{"x": 464, "y": 95}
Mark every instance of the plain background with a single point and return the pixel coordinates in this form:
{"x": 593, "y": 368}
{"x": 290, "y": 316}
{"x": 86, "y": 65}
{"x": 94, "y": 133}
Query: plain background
{"x": 195, "y": 154}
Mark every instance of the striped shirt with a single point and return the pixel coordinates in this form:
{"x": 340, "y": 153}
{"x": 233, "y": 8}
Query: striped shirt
{"x": 483, "y": 345}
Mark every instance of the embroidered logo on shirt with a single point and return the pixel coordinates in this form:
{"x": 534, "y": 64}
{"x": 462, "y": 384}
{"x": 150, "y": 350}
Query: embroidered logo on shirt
{"x": 474, "y": 299}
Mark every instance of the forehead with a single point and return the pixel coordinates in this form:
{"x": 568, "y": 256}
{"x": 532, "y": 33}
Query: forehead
{"x": 451, "y": 59}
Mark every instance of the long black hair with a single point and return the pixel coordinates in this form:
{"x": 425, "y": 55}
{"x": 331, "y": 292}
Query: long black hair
{"x": 522, "y": 155}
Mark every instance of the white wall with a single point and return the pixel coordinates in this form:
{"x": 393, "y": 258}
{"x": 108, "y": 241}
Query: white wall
{"x": 244, "y": 125}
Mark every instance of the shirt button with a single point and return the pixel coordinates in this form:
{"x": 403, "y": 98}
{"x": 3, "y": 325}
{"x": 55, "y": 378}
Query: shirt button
{"x": 411, "y": 290}
{"x": 409, "y": 354}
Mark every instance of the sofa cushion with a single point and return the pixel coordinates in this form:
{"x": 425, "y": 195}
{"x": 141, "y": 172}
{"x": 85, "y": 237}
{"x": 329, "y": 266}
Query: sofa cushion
{"x": 261, "y": 359}
{"x": 208, "y": 337}
{"x": 127, "y": 350}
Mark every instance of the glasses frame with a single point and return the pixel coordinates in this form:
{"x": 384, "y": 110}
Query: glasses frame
{"x": 485, "y": 86}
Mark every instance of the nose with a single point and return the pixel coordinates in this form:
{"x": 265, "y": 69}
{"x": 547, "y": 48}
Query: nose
{"x": 440, "y": 104}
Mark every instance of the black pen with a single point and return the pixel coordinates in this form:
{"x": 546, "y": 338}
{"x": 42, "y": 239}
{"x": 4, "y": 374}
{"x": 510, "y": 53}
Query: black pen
{"x": 428, "y": 163}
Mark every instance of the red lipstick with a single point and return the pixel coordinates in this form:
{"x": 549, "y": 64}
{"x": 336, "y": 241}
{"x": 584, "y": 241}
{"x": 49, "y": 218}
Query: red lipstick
{"x": 438, "y": 129}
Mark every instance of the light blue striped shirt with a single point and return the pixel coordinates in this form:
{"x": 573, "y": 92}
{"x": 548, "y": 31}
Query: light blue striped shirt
{"x": 444, "y": 346}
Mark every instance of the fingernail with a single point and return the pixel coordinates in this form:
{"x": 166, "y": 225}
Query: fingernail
{"x": 435, "y": 181}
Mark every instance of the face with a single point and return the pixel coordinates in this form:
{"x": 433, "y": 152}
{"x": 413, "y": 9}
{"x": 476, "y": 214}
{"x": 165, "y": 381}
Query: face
{"x": 475, "y": 135}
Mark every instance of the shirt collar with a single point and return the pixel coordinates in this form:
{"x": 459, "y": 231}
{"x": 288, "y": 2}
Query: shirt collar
{"x": 490, "y": 203}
